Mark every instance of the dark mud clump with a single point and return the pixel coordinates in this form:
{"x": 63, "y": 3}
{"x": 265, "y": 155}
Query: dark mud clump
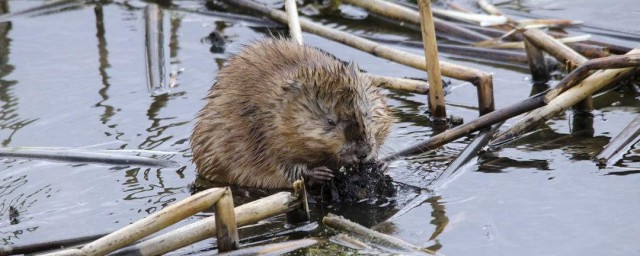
{"x": 357, "y": 183}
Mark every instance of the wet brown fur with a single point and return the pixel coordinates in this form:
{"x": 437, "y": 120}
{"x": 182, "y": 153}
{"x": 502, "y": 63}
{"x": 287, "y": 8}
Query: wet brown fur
{"x": 268, "y": 120}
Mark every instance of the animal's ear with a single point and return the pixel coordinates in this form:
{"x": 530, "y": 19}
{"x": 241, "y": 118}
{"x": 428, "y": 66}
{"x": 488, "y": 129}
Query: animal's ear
{"x": 292, "y": 86}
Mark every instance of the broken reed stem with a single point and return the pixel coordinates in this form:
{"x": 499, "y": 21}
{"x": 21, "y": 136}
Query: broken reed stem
{"x": 590, "y": 51}
{"x": 628, "y": 135}
{"x": 245, "y": 214}
{"x": 342, "y": 224}
{"x": 537, "y": 64}
{"x": 84, "y": 156}
{"x": 480, "y": 19}
{"x": 457, "y": 132}
{"x": 226, "y": 228}
{"x": 520, "y": 45}
{"x": 482, "y": 80}
{"x": 294, "y": 23}
{"x": 555, "y": 48}
{"x": 400, "y": 84}
{"x": 436, "y": 95}
{"x": 489, "y": 8}
{"x": 152, "y": 223}
{"x": 272, "y": 248}
{"x": 562, "y": 53}
{"x": 470, "y": 151}
{"x": 563, "y": 101}
{"x": 622, "y": 61}
{"x": 404, "y": 14}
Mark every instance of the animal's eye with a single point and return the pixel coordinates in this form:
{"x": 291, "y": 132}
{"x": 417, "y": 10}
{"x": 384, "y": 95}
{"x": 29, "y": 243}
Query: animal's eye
{"x": 331, "y": 122}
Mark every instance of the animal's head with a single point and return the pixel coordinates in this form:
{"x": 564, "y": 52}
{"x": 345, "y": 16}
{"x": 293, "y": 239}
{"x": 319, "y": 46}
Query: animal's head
{"x": 334, "y": 114}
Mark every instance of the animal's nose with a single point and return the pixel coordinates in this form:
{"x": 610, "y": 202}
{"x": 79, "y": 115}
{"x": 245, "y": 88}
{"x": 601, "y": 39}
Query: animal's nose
{"x": 362, "y": 152}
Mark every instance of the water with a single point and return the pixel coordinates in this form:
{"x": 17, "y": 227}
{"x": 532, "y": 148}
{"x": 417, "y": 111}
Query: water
{"x": 76, "y": 78}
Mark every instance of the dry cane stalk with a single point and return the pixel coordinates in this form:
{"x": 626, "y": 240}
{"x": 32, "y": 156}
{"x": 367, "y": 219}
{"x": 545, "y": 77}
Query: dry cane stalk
{"x": 537, "y": 64}
{"x": 294, "y": 24}
{"x": 482, "y": 80}
{"x": 563, "y": 101}
{"x": 340, "y": 223}
{"x": 226, "y": 228}
{"x": 272, "y": 248}
{"x": 563, "y": 53}
{"x": 152, "y": 223}
{"x": 514, "y": 109}
{"x": 404, "y": 14}
{"x": 628, "y": 135}
{"x": 245, "y": 214}
{"x": 436, "y": 95}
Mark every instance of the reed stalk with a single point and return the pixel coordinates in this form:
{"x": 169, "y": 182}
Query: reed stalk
{"x": 49, "y": 6}
{"x": 294, "y": 23}
{"x": 562, "y": 53}
{"x": 482, "y": 80}
{"x": 589, "y": 50}
{"x": 480, "y": 19}
{"x": 436, "y": 94}
{"x": 84, "y": 156}
{"x": 272, "y": 248}
{"x": 226, "y": 228}
{"x": 400, "y": 84}
{"x": 404, "y": 14}
{"x": 627, "y": 136}
{"x": 537, "y": 64}
{"x": 245, "y": 214}
{"x": 563, "y": 101}
{"x": 385, "y": 241}
{"x": 151, "y": 224}
{"x": 520, "y": 45}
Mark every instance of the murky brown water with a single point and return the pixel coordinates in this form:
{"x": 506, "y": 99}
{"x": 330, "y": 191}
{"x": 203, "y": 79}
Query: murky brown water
{"x": 76, "y": 78}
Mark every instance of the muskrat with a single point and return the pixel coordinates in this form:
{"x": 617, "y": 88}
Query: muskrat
{"x": 281, "y": 111}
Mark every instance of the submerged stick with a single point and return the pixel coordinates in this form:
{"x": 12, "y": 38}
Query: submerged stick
{"x": 470, "y": 151}
{"x": 537, "y": 64}
{"x": 47, "y": 6}
{"x": 272, "y": 248}
{"x": 563, "y": 101}
{"x": 75, "y": 155}
{"x": 436, "y": 95}
{"x": 482, "y": 80}
{"x": 404, "y": 14}
{"x": 246, "y": 214}
{"x": 294, "y": 23}
{"x": 627, "y": 136}
{"x": 385, "y": 241}
{"x": 49, "y": 245}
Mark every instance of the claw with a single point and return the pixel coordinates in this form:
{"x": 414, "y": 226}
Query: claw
{"x": 320, "y": 175}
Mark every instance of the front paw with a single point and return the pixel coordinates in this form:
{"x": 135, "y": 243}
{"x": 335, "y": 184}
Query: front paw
{"x": 320, "y": 175}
